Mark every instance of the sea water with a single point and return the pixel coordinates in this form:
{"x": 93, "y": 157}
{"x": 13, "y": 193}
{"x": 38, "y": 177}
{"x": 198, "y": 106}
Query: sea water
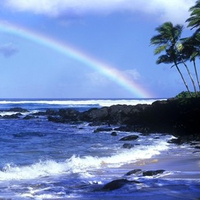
{"x": 45, "y": 160}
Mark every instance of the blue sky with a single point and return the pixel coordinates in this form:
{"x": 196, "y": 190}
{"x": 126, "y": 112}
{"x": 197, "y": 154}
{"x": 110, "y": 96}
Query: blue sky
{"x": 114, "y": 32}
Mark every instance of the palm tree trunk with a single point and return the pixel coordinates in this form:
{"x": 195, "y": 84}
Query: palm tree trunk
{"x": 188, "y": 71}
{"x": 183, "y": 78}
{"x": 196, "y": 73}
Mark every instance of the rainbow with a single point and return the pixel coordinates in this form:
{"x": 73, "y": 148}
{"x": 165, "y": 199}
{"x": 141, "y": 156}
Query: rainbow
{"x": 106, "y": 70}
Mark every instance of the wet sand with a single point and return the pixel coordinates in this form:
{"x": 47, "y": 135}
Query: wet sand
{"x": 183, "y": 167}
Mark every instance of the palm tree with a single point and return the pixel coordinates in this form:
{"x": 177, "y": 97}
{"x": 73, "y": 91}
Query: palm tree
{"x": 184, "y": 56}
{"x": 190, "y": 50}
{"x": 194, "y": 19}
{"x": 192, "y": 44}
{"x": 166, "y": 41}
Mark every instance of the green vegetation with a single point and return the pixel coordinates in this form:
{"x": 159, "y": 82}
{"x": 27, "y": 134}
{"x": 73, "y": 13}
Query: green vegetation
{"x": 185, "y": 95}
{"x": 178, "y": 51}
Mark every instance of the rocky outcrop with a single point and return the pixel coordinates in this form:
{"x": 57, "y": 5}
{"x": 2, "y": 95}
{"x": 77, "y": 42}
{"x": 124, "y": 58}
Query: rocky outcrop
{"x": 119, "y": 183}
{"x": 17, "y": 113}
{"x": 63, "y": 115}
{"x": 153, "y": 172}
{"x": 13, "y": 116}
{"x": 139, "y": 172}
{"x": 116, "y": 184}
{"x": 17, "y": 109}
{"x": 176, "y": 116}
{"x": 127, "y": 146}
{"x": 129, "y": 138}
{"x": 103, "y": 129}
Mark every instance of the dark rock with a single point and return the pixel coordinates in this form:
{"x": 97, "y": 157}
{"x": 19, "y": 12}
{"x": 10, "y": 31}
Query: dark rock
{"x": 14, "y": 116}
{"x": 135, "y": 172}
{"x": 29, "y": 134}
{"x": 56, "y": 119}
{"x": 175, "y": 116}
{"x": 114, "y": 133}
{"x": 69, "y": 114}
{"x": 129, "y": 138}
{"x": 97, "y": 124}
{"x": 51, "y": 112}
{"x": 17, "y": 109}
{"x": 27, "y": 117}
{"x": 128, "y": 146}
{"x": 63, "y": 115}
{"x": 177, "y": 141}
{"x": 102, "y": 129}
{"x": 185, "y": 139}
{"x": 40, "y": 113}
{"x": 119, "y": 114}
{"x": 153, "y": 173}
{"x": 116, "y": 184}
{"x": 124, "y": 129}
{"x": 94, "y": 114}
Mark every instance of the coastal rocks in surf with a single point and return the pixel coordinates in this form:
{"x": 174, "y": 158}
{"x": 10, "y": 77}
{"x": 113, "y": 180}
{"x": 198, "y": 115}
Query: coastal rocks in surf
{"x": 114, "y": 133}
{"x": 134, "y": 172}
{"x": 127, "y": 146}
{"x": 15, "y": 109}
{"x": 153, "y": 172}
{"x": 28, "y": 117}
{"x": 185, "y": 138}
{"x": 103, "y": 129}
{"x": 12, "y": 116}
{"x": 12, "y": 113}
{"x": 18, "y": 109}
{"x": 139, "y": 172}
{"x": 129, "y": 138}
{"x": 117, "y": 114}
{"x": 63, "y": 115}
{"x": 176, "y": 116}
{"x": 117, "y": 184}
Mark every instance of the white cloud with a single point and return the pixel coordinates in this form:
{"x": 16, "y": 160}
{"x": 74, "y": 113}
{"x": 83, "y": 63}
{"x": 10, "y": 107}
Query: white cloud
{"x": 132, "y": 74}
{"x": 95, "y": 78}
{"x": 8, "y": 49}
{"x": 173, "y": 10}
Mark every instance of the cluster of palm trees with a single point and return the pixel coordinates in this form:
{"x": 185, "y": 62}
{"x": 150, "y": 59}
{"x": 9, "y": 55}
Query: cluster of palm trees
{"x": 178, "y": 51}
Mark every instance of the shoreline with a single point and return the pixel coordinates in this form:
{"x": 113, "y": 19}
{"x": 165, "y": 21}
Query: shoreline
{"x": 175, "y": 167}
{"x": 179, "y": 117}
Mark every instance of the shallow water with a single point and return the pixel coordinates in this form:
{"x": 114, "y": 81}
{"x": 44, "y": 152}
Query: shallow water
{"x": 45, "y": 160}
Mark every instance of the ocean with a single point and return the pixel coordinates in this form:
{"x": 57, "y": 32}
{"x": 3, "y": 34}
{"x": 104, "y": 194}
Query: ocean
{"x": 46, "y": 160}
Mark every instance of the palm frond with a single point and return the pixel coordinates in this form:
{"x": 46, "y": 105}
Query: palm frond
{"x": 159, "y": 49}
{"x": 194, "y": 55}
{"x": 194, "y": 19}
{"x": 164, "y": 59}
{"x": 158, "y": 40}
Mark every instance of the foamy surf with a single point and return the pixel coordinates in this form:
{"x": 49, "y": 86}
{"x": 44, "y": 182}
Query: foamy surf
{"x": 84, "y": 166}
{"x": 86, "y": 102}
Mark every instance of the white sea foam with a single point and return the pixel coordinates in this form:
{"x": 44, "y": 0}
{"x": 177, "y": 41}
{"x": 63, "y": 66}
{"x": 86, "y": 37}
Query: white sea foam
{"x": 9, "y": 113}
{"x": 71, "y": 103}
{"x": 84, "y": 166}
